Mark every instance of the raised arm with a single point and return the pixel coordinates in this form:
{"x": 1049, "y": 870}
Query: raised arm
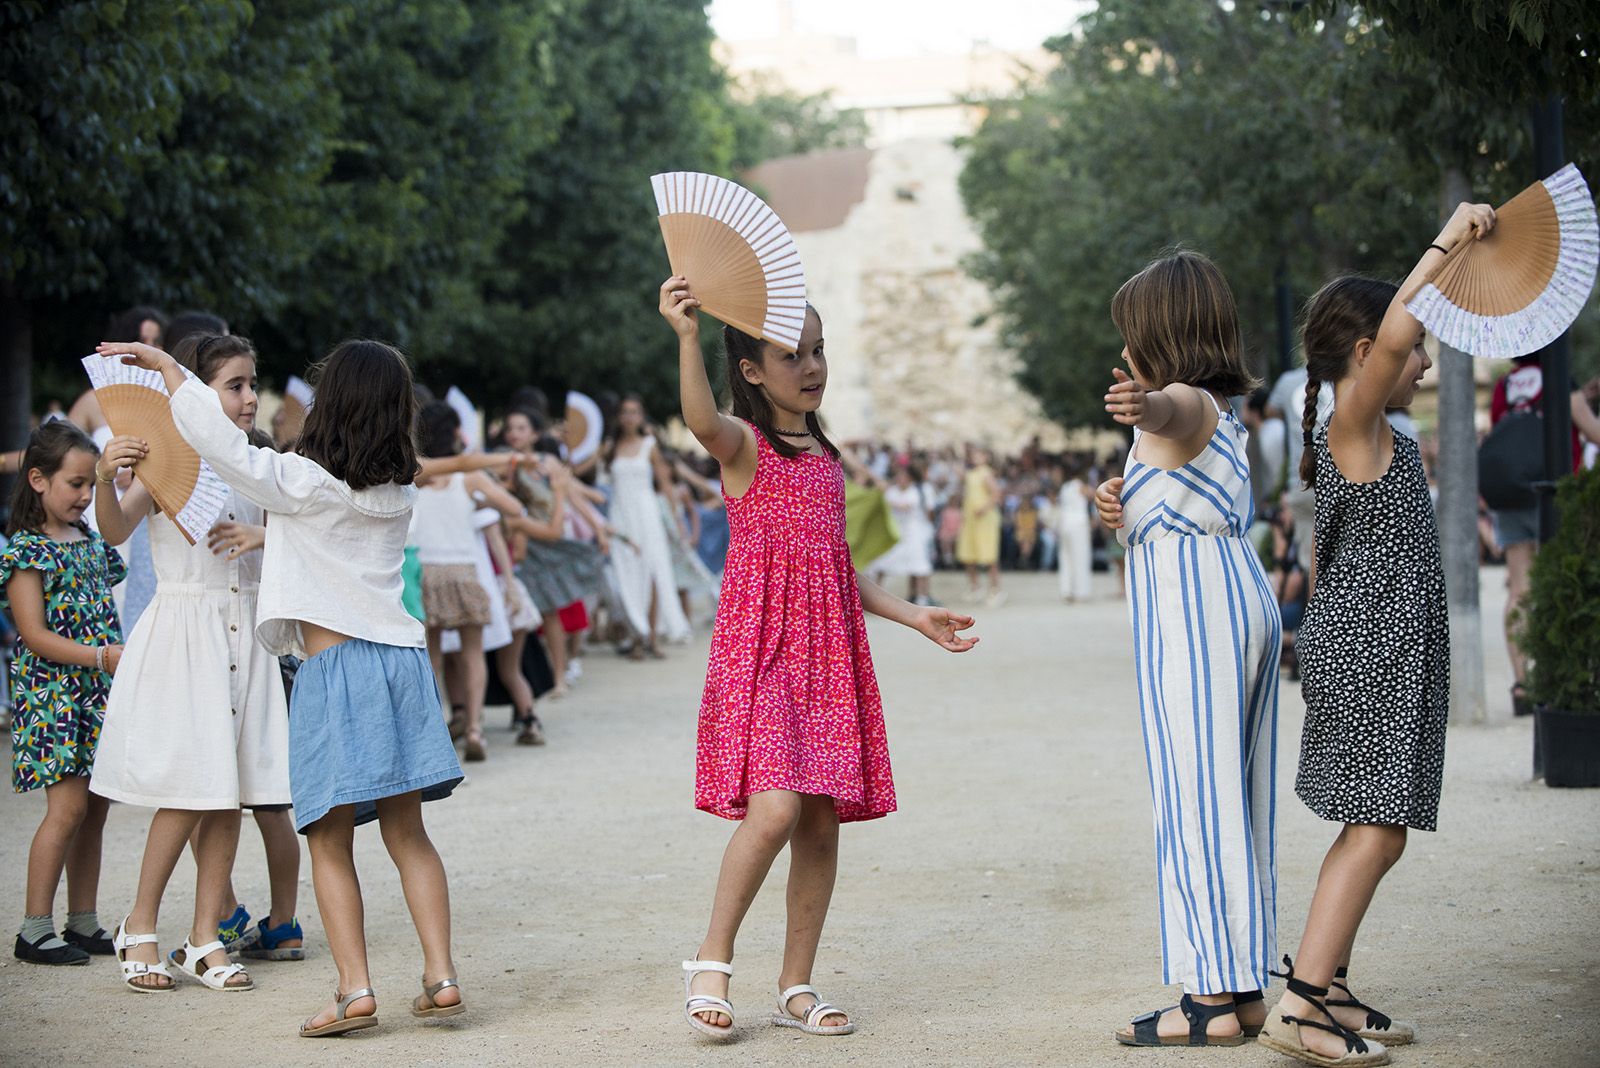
{"x": 433, "y": 467}
{"x": 1400, "y": 332}
{"x": 724, "y": 437}
{"x": 278, "y": 482}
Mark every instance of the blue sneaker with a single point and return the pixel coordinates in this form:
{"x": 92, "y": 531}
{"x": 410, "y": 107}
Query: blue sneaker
{"x": 267, "y": 942}
{"x": 233, "y": 929}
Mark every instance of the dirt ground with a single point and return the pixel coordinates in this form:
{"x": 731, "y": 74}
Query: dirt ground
{"x": 1005, "y": 916}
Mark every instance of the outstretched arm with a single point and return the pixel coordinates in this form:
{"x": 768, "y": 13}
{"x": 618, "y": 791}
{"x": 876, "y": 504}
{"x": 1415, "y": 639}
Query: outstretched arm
{"x": 1178, "y": 411}
{"x": 722, "y": 436}
{"x": 938, "y": 625}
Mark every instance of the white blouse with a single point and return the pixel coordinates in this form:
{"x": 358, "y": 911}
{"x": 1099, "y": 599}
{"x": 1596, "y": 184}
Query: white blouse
{"x": 333, "y": 553}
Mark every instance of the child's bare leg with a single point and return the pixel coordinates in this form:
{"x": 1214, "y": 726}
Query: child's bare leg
{"x": 83, "y": 855}
{"x": 555, "y": 643}
{"x": 813, "y": 866}
{"x": 230, "y": 899}
{"x": 67, "y": 805}
{"x": 426, "y": 887}
{"x": 283, "y": 867}
{"x": 474, "y": 676}
{"x": 216, "y": 846}
{"x": 768, "y": 825}
{"x": 333, "y": 873}
{"x": 508, "y": 665}
{"x": 170, "y": 829}
{"x": 1356, "y": 862}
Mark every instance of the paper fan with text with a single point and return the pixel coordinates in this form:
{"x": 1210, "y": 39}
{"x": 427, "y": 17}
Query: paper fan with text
{"x": 135, "y": 402}
{"x": 739, "y": 258}
{"x": 297, "y": 399}
{"x": 1518, "y": 289}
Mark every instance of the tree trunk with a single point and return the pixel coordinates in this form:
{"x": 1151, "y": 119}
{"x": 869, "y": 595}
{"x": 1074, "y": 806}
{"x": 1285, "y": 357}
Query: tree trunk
{"x": 1457, "y": 473}
{"x": 16, "y": 374}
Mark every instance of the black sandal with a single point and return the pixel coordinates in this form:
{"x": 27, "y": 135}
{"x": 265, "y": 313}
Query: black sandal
{"x": 1281, "y": 1032}
{"x": 1378, "y": 1025}
{"x": 1249, "y": 997}
{"x": 1144, "y": 1027}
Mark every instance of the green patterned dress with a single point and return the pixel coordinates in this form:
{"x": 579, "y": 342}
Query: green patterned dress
{"x": 56, "y": 709}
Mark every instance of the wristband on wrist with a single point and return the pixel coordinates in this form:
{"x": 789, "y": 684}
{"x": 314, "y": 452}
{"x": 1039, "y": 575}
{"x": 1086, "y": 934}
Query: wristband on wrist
{"x": 98, "y": 477}
{"x": 1441, "y": 248}
{"x": 99, "y": 658}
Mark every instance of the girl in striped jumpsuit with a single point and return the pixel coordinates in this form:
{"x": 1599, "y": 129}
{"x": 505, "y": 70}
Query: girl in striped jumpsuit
{"x": 1206, "y": 635}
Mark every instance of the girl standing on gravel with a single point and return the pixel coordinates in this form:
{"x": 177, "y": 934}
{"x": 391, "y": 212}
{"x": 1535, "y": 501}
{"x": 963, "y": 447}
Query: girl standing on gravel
{"x": 366, "y": 738}
{"x": 1206, "y": 645}
{"x": 791, "y": 738}
{"x": 55, "y": 579}
{"x": 1374, "y": 644}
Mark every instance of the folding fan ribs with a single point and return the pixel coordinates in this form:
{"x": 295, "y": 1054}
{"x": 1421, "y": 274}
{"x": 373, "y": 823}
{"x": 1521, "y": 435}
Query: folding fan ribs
{"x": 739, "y": 258}
{"x": 135, "y": 402}
{"x": 1519, "y": 288}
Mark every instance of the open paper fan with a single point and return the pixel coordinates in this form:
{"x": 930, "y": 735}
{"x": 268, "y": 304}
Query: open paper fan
{"x": 1518, "y": 289}
{"x": 471, "y": 427}
{"x": 584, "y": 427}
{"x": 135, "y": 402}
{"x": 739, "y": 258}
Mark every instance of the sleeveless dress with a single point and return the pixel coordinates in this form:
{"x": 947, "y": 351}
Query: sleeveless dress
{"x": 978, "y": 544}
{"x": 1374, "y": 649}
{"x": 197, "y": 718}
{"x": 791, "y": 701}
{"x": 1206, "y": 642}
{"x": 646, "y": 565}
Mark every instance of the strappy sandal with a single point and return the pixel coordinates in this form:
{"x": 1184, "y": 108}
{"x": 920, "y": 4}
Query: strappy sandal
{"x": 1282, "y": 1031}
{"x": 1144, "y": 1028}
{"x": 434, "y": 1010}
{"x": 342, "y": 1024}
{"x": 811, "y": 1022}
{"x": 473, "y": 749}
{"x": 122, "y": 941}
{"x": 192, "y": 963}
{"x": 696, "y": 1003}
{"x": 1379, "y": 1026}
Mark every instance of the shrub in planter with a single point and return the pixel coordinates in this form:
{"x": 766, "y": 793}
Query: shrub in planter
{"x": 1560, "y": 633}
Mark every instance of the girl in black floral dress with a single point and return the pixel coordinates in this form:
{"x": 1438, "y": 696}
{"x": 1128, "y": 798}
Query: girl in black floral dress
{"x": 1374, "y": 645}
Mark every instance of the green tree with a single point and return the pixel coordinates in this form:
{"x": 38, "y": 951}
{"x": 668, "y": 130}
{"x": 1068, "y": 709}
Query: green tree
{"x": 1222, "y": 127}
{"x": 87, "y": 91}
{"x": 770, "y": 121}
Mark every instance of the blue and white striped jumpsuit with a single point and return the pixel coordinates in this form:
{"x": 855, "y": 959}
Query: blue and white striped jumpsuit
{"x": 1206, "y": 637}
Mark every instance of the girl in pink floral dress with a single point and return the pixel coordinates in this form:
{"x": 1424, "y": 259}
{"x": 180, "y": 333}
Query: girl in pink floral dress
{"x": 792, "y": 739}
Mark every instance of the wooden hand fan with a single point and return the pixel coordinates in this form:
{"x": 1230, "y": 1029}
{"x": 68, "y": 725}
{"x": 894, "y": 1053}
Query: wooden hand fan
{"x": 135, "y": 402}
{"x": 297, "y": 399}
{"x": 739, "y": 258}
{"x": 1518, "y": 289}
{"x": 584, "y": 427}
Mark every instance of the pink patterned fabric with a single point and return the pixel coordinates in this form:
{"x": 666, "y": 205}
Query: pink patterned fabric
{"x": 791, "y": 701}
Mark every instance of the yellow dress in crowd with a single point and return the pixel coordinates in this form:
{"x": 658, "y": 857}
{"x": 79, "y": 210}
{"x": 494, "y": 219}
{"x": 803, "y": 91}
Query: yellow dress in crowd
{"x": 979, "y": 543}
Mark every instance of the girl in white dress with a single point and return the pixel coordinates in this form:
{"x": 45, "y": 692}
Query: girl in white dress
{"x": 912, "y": 555}
{"x": 197, "y": 725}
{"x": 1076, "y": 539}
{"x": 643, "y": 566}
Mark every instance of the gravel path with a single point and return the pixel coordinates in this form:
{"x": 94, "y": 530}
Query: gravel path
{"x": 1004, "y": 917}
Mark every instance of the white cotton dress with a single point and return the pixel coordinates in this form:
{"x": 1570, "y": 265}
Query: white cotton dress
{"x": 197, "y": 717}
{"x": 912, "y": 555}
{"x": 636, "y": 515}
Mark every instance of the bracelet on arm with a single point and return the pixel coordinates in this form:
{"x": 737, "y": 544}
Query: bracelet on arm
{"x": 1441, "y": 248}
{"x": 98, "y": 477}
{"x": 100, "y": 658}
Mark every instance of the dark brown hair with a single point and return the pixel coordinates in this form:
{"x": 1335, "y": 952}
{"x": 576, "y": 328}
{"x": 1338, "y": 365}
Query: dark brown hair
{"x": 608, "y": 447}
{"x": 204, "y": 353}
{"x": 47, "y": 450}
{"x": 1180, "y": 324}
{"x": 126, "y": 325}
{"x": 751, "y": 404}
{"x": 438, "y": 430}
{"x": 362, "y": 427}
{"x": 1337, "y": 316}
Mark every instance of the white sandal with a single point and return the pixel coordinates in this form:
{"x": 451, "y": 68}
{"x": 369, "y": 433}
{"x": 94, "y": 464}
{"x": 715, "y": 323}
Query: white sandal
{"x": 693, "y": 1003}
{"x": 194, "y": 959}
{"x": 809, "y": 1023}
{"x": 121, "y": 942}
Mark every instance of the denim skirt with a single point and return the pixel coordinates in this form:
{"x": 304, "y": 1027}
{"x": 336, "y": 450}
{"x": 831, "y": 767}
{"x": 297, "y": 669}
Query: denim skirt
{"x": 364, "y": 724}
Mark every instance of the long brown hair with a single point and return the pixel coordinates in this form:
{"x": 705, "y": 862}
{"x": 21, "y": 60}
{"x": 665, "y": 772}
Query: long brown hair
{"x": 362, "y": 428}
{"x": 47, "y": 450}
{"x": 751, "y": 404}
{"x": 1180, "y": 323}
{"x": 1338, "y": 315}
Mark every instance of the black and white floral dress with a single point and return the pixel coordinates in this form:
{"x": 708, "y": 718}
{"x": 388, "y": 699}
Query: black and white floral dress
{"x": 1375, "y": 649}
